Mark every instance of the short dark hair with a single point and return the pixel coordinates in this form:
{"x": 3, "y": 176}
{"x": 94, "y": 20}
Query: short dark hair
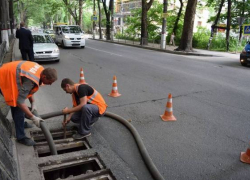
{"x": 50, "y": 74}
{"x": 22, "y": 24}
{"x": 66, "y": 81}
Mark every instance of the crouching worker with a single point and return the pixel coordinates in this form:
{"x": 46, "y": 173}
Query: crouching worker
{"x": 19, "y": 80}
{"x": 88, "y": 106}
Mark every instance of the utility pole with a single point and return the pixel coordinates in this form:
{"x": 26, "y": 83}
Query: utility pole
{"x": 94, "y": 14}
{"x": 164, "y": 24}
{"x": 112, "y": 20}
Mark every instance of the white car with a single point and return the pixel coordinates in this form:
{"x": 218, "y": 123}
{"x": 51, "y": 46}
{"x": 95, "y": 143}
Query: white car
{"x": 69, "y": 36}
{"x": 44, "y": 48}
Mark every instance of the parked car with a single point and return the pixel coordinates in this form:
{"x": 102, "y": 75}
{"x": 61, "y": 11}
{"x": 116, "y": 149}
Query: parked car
{"x": 69, "y": 36}
{"x": 245, "y": 55}
{"x": 45, "y": 48}
{"x": 50, "y": 32}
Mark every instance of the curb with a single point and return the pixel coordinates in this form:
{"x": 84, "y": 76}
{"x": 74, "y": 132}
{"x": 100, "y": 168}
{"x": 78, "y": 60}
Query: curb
{"x": 161, "y": 50}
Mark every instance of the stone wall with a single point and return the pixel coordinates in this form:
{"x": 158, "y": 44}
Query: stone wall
{"x": 8, "y": 165}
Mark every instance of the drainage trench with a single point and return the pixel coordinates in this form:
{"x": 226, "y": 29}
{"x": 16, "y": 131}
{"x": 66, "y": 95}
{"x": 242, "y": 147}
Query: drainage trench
{"x": 148, "y": 161}
{"x": 78, "y": 168}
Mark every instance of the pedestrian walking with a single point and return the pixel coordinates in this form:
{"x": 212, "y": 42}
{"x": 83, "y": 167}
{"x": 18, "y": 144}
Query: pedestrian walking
{"x": 25, "y": 42}
{"x": 88, "y": 106}
{"x": 172, "y": 39}
{"x": 19, "y": 80}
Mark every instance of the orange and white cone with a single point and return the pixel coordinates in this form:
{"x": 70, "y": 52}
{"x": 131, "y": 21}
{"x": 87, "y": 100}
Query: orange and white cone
{"x": 168, "y": 115}
{"x": 114, "y": 92}
{"x": 245, "y": 156}
{"x": 82, "y": 79}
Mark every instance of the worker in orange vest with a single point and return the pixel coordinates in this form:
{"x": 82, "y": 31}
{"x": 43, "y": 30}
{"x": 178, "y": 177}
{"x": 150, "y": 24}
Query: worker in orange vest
{"x": 19, "y": 80}
{"x": 88, "y": 106}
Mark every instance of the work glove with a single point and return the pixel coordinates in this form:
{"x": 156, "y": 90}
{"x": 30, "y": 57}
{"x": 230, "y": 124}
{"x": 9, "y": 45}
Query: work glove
{"x": 33, "y": 107}
{"x": 36, "y": 120}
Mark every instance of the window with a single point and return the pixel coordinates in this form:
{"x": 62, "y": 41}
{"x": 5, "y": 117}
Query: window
{"x": 42, "y": 39}
{"x": 71, "y": 29}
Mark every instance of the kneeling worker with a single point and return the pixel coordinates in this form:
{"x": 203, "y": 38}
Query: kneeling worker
{"x": 88, "y": 106}
{"x": 19, "y": 80}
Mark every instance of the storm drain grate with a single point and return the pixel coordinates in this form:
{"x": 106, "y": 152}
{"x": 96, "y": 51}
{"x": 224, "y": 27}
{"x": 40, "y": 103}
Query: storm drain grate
{"x": 38, "y": 136}
{"x": 76, "y": 169}
{"x": 62, "y": 145}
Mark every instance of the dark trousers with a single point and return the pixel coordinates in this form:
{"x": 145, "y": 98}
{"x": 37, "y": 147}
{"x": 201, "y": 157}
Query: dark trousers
{"x": 87, "y": 116}
{"x": 18, "y": 117}
{"x": 30, "y": 53}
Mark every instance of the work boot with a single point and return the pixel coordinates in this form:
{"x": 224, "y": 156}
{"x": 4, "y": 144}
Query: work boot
{"x": 27, "y": 125}
{"x": 78, "y": 136}
{"x": 27, "y": 141}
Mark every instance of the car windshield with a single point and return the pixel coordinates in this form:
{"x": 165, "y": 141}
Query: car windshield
{"x": 71, "y": 29}
{"x": 49, "y": 31}
{"x": 42, "y": 39}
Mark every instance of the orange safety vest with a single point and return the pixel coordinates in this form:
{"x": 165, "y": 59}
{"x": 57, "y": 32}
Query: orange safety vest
{"x": 10, "y": 79}
{"x": 96, "y": 98}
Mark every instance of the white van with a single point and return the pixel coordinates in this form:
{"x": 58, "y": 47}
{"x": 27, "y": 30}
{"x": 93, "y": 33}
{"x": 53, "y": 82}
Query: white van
{"x": 69, "y": 36}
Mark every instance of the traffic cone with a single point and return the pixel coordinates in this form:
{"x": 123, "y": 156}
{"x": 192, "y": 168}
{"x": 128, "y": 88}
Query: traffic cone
{"x": 114, "y": 92}
{"x": 82, "y": 79}
{"x": 168, "y": 115}
{"x": 245, "y": 156}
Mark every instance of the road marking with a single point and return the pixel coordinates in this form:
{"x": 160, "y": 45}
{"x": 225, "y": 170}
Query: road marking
{"x": 105, "y": 51}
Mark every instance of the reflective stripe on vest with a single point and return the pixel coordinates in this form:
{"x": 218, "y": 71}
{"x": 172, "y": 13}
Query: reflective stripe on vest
{"x": 91, "y": 98}
{"x": 11, "y": 79}
{"x": 95, "y": 99}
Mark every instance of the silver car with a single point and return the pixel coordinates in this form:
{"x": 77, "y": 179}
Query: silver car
{"x": 44, "y": 48}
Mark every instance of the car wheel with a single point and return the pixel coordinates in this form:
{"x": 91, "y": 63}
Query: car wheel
{"x": 57, "y": 60}
{"x": 243, "y": 63}
{"x": 82, "y": 47}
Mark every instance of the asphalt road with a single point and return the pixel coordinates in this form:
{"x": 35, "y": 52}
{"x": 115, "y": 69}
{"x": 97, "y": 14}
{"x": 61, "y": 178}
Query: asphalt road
{"x": 210, "y": 101}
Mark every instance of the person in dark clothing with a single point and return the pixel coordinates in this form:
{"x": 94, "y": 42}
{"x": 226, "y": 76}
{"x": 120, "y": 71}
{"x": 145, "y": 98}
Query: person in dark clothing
{"x": 25, "y": 42}
{"x": 88, "y": 106}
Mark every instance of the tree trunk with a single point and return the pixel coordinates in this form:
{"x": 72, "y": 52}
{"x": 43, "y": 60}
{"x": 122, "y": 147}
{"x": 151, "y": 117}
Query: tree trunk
{"x": 215, "y": 24}
{"x": 107, "y": 13}
{"x": 80, "y": 12}
{"x": 178, "y": 18}
{"x": 74, "y": 15}
{"x": 187, "y": 32}
{"x": 11, "y": 14}
{"x": 144, "y": 31}
{"x": 94, "y": 25}
{"x": 242, "y": 15}
{"x": 228, "y": 23}
{"x": 100, "y": 19}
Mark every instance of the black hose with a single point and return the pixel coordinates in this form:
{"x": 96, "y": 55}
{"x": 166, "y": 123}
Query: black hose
{"x": 47, "y": 135}
{"x": 49, "y": 138}
{"x": 50, "y": 115}
{"x": 148, "y": 161}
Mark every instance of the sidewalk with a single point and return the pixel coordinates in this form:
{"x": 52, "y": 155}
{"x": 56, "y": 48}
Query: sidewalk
{"x": 168, "y": 49}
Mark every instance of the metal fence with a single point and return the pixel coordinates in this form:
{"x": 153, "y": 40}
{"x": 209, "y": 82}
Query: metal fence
{"x": 2, "y": 52}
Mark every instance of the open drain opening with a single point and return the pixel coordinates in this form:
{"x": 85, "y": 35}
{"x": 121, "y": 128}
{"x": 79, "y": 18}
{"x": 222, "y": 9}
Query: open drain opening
{"x": 62, "y": 147}
{"x": 87, "y": 167}
{"x": 38, "y": 136}
{"x": 41, "y": 154}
